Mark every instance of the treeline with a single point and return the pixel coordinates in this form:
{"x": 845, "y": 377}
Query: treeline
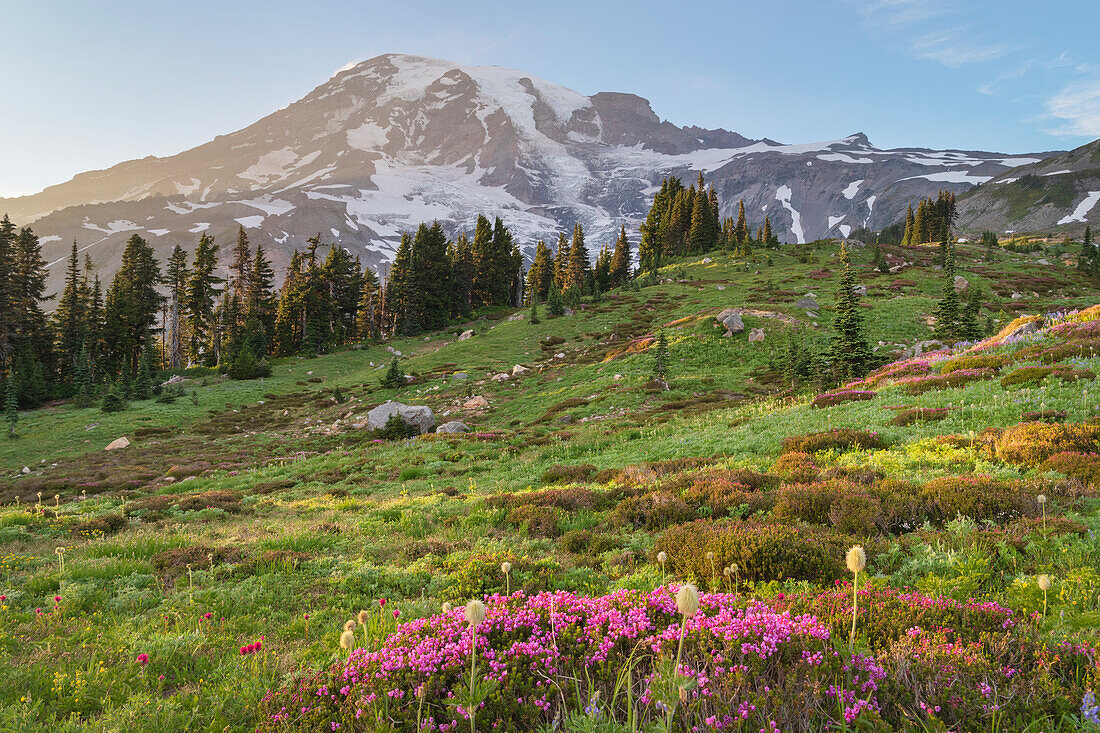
{"x": 685, "y": 221}
{"x": 114, "y": 342}
{"x": 932, "y": 221}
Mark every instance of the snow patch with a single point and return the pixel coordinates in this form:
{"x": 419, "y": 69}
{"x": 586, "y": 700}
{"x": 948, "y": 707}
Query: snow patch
{"x": 845, "y": 230}
{"x": 113, "y": 227}
{"x": 251, "y": 222}
{"x": 834, "y": 220}
{"x": 158, "y": 232}
{"x": 1057, "y": 173}
{"x": 783, "y": 196}
{"x": 951, "y": 177}
{"x": 202, "y": 226}
{"x": 50, "y": 238}
{"x": 842, "y": 158}
{"x": 1082, "y": 209}
{"x": 852, "y": 189}
{"x": 368, "y": 137}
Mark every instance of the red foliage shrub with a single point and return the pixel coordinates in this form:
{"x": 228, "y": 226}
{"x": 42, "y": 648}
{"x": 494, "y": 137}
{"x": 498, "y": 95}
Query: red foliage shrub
{"x": 1031, "y": 443}
{"x": 796, "y": 467}
{"x": 830, "y": 399}
{"x": 1082, "y": 466}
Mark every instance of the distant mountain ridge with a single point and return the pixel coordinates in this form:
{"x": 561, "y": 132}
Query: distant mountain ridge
{"x": 401, "y": 139}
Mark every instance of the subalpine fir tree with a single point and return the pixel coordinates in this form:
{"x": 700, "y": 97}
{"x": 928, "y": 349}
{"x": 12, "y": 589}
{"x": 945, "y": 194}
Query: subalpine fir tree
{"x": 394, "y": 377}
{"x": 143, "y": 382}
{"x": 767, "y": 238}
{"x": 82, "y": 378}
{"x": 576, "y": 273}
{"x": 970, "y": 325}
{"x": 1087, "y": 260}
{"x": 554, "y": 302}
{"x": 947, "y": 310}
{"x": 620, "y": 260}
{"x": 910, "y": 225}
{"x": 541, "y": 273}
{"x": 11, "y": 404}
{"x": 176, "y": 277}
{"x": 661, "y": 357}
{"x": 69, "y": 318}
{"x": 850, "y": 351}
{"x": 202, "y": 293}
{"x": 742, "y": 229}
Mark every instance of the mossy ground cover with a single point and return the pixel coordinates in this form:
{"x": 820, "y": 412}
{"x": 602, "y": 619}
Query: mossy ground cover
{"x": 263, "y": 514}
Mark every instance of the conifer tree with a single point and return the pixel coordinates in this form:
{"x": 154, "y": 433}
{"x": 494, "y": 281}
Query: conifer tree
{"x": 700, "y": 236}
{"x": 661, "y": 358}
{"x": 849, "y": 349}
{"x": 401, "y": 288}
{"x": 541, "y": 274}
{"x": 11, "y": 404}
{"x": 561, "y": 261}
{"x": 947, "y": 310}
{"x": 1087, "y": 260}
{"x": 369, "y": 313}
{"x": 394, "y": 377}
{"x": 69, "y": 318}
{"x": 176, "y": 277}
{"x": 261, "y": 292}
{"x": 619, "y": 268}
{"x": 431, "y": 273}
{"x": 742, "y": 229}
{"x": 577, "y": 266}
{"x": 766, "y": 237}
{"x": 31, "y": 338}
{"x": 131, "y": 306}
{"x": 82, "y": 378}
{"x": 462, "y": 275}
{"x": 970, "y": 325}
{"x": 202, "y": 291}
{"x": 554, "y": 302}
{"x": 7, "y": 266}
{"x": 240, "y": 268}
{"x": 910, "y": 224}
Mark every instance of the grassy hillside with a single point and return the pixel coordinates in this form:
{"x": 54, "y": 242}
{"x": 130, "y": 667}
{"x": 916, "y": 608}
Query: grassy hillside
{"x": 267, "y": 513}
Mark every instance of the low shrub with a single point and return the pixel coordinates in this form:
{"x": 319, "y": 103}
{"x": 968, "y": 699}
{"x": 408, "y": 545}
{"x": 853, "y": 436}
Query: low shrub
{"x": 920, "y": 385}
{"x": 103, "y": 525}
{"x": 568, "y": 474}
{"x": 1044, "y": 416}
{"x": 856, "y": 513}
{"x": 1082, "y": 466}
{"x": 973, "y": 361}
{"x": 840, "y": 439}
{"x": 796, "y": 467}
{"x": 831, "y": 399}
{"x": 1031, "y": 443}
{"x": 652, "y": 511}
{"x": 227, "y": 501}
{"x": 536, "y": 521}
{"x": 1031, "y": 375}
{"x": 763, "y": 551}
{"x": 920, "y": 414}
{"x": 718, "y": 498}
{"x": 978, "y": 497}
{"x": 172, "y": 563}
{"x": 569, "y": 499}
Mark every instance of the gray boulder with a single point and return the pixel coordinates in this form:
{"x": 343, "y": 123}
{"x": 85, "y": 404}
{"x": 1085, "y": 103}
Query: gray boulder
{"x": 460, "y": 376}
{"x": 807, "y": 304}
{"x": 731, "y": 319}
{"x": 1023, "y": 329}
{"x": 921, "y": 347}
{"x": 466, "y": 334}
{"x": 757, "y": 334}
{"x": 420, "y": 417}
{"x": 454, "y": 426}
{"x": 961, "y": 284}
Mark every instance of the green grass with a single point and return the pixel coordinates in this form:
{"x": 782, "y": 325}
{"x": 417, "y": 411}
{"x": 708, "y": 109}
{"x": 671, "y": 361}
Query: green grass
{"x": 321, "y": 521}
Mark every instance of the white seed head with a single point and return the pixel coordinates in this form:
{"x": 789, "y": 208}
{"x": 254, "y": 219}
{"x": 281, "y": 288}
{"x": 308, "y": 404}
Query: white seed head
{"x": 347, "y": 640}
{"x": 662, "y": 557}
{"x": 506, "y": 567}
{"x": 349, "y": 624}
{"x": 1041, "y": 498}
{"x": 1044, "y": 582}
{"x": 856, "y": 559}
{"x": 447, "y": 607}
{"x": 687, "y": 600}
{"x": 710, "y": 557}
{"x": 475, "y": 612}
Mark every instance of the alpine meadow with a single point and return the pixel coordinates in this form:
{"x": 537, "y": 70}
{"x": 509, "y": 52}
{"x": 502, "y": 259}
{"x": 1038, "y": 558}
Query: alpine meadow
{"x": 450, "y": 399}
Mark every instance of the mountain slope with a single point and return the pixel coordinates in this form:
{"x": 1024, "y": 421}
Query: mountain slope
{"x": 399, "y": 139}
{"x": 1060, "y": 191}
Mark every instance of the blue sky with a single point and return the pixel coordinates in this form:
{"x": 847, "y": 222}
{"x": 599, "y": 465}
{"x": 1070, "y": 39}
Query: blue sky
{"x": 86, "y": 85}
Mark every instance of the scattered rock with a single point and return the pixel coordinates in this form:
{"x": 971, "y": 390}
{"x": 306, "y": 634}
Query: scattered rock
{"x": 477, "y": 402}
{"x": 897, "y": 268}
{"x": 719, "y": 287}
{"x": 1043, "y": 261}
{"x": 519, "y": 369}
{"x": 731, "y": 319}
{"x": 175, "y": 379}
{"x": 394, "y": 351}
{"x": 807, "y": 304}
{"x": 516, "y": 317}
{"x": 757, "y": 334}
{"x": 286, "y": 413}
{"x": 961, "y": 284}
{"x": 860, "y": 291}
{"x": 618, "y": 377}
{"x": 420, "y": 417}
{"x": 460, "y": 376}
{"x": 568, "y": 312}
{"x": 921, "y": 347}
{"x": 1017, "y": 296}
{"x": 499, "y": 377}
{"x": 1022, "y": 329}
{"x": 706, "y": 260}
{"x": 26, "y": 469}
{"x": 468, "y": 333}
{"x": 117, "y": 443}
{"x": 454, "y": 426}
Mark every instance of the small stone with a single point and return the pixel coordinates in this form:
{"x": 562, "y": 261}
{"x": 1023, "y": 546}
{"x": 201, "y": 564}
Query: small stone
{"x": 477, "y": 402}
{"x": 117, "y": 443}
{"x": 468, "y": 333}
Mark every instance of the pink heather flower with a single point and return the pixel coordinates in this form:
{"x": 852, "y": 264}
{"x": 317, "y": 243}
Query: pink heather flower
{"x": 57, "y": 599}
{"x": 143, "y": 659}
{"x": 396, "y": 613}
{"x": 381, "y": 602}
{"x": 208, "y": 615}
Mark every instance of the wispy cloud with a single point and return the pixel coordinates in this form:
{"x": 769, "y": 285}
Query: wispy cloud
{"x": 954, "y": 47}
{"x": 1077, "y": 108}
{"x": 892, "y": 14}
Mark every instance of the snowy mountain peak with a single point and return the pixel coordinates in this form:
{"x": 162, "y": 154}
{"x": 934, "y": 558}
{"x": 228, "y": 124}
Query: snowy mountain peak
{"x": 400, "y": 139}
